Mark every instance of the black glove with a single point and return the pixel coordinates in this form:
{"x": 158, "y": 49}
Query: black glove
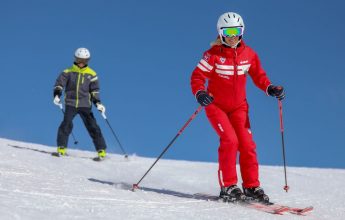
{"x": 95, "y": 101}
{"x": 276, "y": 91}
{"x": 57, "y": 92}
{"x": 203, "y": 98}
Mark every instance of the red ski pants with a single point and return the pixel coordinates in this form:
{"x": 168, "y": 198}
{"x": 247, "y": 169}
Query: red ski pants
{"x": 233, "y": 128}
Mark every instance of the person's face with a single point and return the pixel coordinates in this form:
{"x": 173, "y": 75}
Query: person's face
{"x": 232, "y": 41}
{"x": 81, "y": 62}
{"x": 81, "y": 65}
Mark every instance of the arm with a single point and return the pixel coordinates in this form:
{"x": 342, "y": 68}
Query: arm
{"x": 95, "y": 97}
{"x": 200, "y": 75}
{"x": 261, "y": 80}
{"x": 60, "y": 84}
{"x": 258, "y": 74}
{"x": 94, "y": 90}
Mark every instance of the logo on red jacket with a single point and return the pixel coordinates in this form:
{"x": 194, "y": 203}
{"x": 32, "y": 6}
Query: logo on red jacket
{"x": 207, "y": 56}
{"x": 222, "y": 59}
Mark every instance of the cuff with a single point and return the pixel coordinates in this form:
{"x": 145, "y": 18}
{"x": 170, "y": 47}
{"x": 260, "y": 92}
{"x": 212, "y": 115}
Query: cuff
{"x": 267, "y": 89}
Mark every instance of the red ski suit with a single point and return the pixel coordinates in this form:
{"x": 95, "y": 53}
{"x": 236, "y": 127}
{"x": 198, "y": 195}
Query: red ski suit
{"x": 226, "y": 71}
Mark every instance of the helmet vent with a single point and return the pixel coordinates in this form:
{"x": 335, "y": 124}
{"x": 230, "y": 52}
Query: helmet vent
{"x": 234, "y": 15}
{"x": 238, "y": 19}
{"x": 229, "y": 15}
{"x": 225, "y": 20}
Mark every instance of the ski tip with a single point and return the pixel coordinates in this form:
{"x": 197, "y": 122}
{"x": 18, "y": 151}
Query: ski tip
{"x": 134, "y": 187}
{"x": 98, "y": 159}
{"x": 308, "y": 209}
{"x": 303, "y": 211}
{"x": 55, "y": 154}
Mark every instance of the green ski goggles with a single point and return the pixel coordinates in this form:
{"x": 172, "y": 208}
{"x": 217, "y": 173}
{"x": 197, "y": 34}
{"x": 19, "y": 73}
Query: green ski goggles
{"x": 232, "y": 32}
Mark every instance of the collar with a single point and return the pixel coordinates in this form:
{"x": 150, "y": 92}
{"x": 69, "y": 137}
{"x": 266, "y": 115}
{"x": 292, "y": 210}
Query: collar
{"x": 76, "y": 66}
{"x": 230, "y": 51}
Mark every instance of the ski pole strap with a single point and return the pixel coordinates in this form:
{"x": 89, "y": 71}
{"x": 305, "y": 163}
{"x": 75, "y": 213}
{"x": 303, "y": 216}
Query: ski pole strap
{"x": 281, "y": 115}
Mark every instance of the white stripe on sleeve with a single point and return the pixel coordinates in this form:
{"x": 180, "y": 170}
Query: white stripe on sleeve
{"x": 204, "y": 63}
{"x": 202, "y": 68}
{"x": 94, "y": 79}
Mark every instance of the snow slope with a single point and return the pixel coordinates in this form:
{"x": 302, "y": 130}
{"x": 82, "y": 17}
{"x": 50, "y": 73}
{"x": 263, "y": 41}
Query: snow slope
{"x": 35, "y": 185}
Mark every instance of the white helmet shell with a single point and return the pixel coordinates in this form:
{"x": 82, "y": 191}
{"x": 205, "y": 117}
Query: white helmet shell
{"x": 82, "y": 53}
{"x": 229, "y": 19}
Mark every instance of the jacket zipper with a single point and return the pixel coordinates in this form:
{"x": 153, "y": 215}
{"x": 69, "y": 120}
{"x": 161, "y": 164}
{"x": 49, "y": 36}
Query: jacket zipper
{"x": 235, "y": 72}
{"x": 78, "y": 81}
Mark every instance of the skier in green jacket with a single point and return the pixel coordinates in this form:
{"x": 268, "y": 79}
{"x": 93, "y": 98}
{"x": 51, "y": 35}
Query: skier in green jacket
{"x": 81, "y": 89}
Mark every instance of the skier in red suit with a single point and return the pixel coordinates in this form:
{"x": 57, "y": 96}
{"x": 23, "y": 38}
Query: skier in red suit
{"x": 225, "y": 68}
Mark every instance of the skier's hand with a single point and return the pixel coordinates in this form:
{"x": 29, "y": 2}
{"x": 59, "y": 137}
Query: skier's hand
{"x": 203, "y": 98}
{"x": 57, "y": 101}
{"x": 100, "y": 107}
{"x": 276, "y": 91}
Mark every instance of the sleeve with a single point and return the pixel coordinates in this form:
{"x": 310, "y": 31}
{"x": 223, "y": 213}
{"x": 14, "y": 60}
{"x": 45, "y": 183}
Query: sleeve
{"x": 202, "y": 73}
{"x": 94, "y": 90}
{"x": 258, "y": 74}
{"x": 60, "y": 84}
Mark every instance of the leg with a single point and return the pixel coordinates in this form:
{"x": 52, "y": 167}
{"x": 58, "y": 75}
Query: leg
{"x": 93, "y": 128}
{"x": 227, "y": 151}
{"x": 66, "y": 127}
{"x": 247, "y": 148}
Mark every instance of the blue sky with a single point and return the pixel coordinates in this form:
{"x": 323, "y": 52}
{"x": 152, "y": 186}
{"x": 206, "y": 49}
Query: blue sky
{"x": 144, "y": 53}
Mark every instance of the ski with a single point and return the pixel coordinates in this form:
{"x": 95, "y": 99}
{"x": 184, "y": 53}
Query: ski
{"x": 291, "y": 210}
{"x": 264, "y": 208}
{"x": 301, "y": 211}
{"x": 272, "y": 208}
{"x": 278, "y": 210}
{"x": 56, "y": 154}
{"x": 98, "y": 159}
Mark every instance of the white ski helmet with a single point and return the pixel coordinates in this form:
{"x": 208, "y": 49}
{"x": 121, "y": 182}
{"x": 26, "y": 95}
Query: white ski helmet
{"x": 229, "y": 19}
{"x": 82, "y": 53}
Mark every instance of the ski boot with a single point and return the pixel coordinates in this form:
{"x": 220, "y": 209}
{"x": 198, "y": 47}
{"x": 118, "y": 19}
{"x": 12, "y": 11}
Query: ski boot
{"x": 61, "y": 151}
{"x": 100, "y": 155}
{"x": 231, "y": 194}
{"x": 257, "y": 194}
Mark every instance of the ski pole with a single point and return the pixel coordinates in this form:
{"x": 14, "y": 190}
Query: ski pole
{"x": 63, "y": 112}
{"x": 136, "y": 186}
{"x": 286, "y": 187}
{"x": 117, "y": 139}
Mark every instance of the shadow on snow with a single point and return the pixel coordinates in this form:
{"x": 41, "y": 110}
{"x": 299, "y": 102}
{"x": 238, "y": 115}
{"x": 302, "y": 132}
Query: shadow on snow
{"x": 127, "y": 186}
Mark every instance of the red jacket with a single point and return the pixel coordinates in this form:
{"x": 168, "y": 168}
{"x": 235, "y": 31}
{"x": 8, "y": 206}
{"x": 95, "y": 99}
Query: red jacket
{"x": 226, "y": 70}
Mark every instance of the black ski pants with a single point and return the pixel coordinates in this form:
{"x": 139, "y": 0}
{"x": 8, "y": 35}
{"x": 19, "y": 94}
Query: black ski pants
{"x": 90, "y": 123}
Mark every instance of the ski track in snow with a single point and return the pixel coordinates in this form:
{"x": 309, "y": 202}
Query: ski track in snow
{"x": 35, "y": 185}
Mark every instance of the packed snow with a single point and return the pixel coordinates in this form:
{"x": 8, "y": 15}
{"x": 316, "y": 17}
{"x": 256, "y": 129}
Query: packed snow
{"x": 35, "y": 185}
